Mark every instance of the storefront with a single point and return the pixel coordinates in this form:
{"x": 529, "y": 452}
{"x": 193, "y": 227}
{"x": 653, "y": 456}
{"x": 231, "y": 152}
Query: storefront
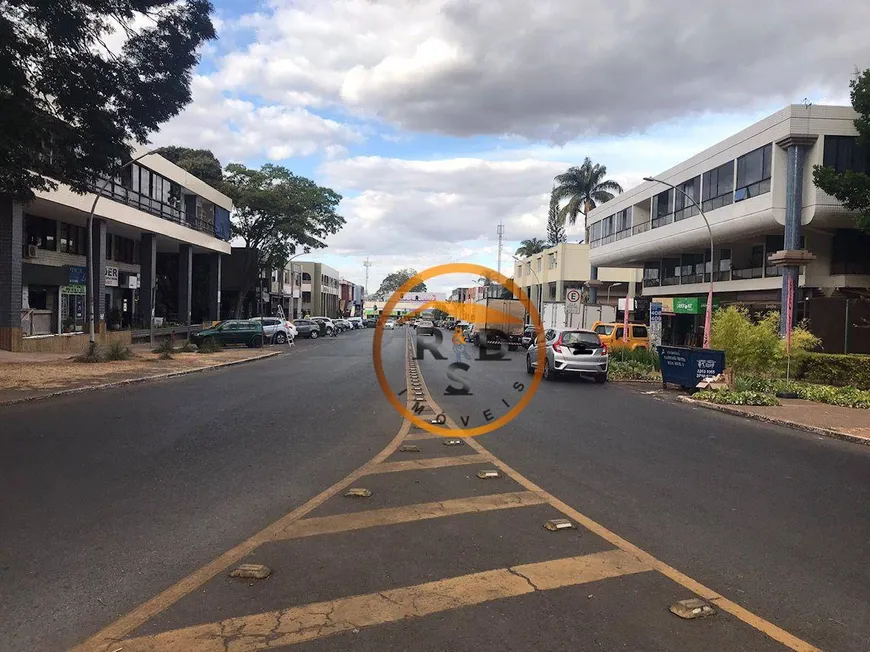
{"x": 53, "y": 299}
{"x": 683, "y": 319}
{"x": 121, "y": 290}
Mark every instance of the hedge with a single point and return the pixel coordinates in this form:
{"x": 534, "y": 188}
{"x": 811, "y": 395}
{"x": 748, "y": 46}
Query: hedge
{"x": 833, "y": 369}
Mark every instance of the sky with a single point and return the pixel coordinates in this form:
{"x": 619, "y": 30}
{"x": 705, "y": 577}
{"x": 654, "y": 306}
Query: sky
{"x": 437, "y": 119}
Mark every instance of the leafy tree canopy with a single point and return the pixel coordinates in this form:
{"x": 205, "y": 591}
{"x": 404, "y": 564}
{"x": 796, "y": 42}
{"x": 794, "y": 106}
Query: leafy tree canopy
{"x": 201, "y": 163}
{"x": 71, "y": 108}
{"x": 850, "y": 187}
{"x": 394, "y": 281}
{"x": 530, "y": 247}
{"x": 583, "y": 188}
{"x": 275, "y": 213}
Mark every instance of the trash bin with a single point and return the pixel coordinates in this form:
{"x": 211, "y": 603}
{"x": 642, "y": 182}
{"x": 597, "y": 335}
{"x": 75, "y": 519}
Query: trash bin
{"x": 686, "y": 366}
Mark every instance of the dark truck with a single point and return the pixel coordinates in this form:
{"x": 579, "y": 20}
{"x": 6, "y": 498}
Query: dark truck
{"x": 503, "y": 323}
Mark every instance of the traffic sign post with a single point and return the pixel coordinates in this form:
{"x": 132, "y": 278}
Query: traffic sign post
{"x": 572, "y": 301}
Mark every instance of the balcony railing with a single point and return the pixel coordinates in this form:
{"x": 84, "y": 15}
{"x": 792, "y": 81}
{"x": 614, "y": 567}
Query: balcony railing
{"x": 173, "y": 213}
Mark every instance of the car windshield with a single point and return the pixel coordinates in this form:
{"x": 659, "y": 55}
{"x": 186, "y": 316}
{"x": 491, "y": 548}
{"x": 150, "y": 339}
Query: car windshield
{"x": 576, "y": 338}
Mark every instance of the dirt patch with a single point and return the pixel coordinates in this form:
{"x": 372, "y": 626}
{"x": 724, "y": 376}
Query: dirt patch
{"x": 29, "y": 377}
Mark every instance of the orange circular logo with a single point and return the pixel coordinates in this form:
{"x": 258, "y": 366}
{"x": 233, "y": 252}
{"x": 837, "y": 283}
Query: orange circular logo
{"x": 494, "y": 276}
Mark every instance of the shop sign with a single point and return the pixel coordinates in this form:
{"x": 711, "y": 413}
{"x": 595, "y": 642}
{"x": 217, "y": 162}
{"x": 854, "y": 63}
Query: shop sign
{"x": 667, "y": 304}
{"x": 111, "y": 277}
{"x": 73, "y": 289}
{"x": 77, "y": 275}
{"x": 692, "y": 305}
{"x": 130, "y": 281}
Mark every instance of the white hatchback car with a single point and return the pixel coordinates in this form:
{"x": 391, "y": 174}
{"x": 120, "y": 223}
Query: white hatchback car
{"x": 571, "y": 352}
{"x": 390, "y": 325}
{"x": 277, "y": 330}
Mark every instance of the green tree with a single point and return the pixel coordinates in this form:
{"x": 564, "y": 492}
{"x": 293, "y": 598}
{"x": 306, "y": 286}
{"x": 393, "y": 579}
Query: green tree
{"x": 201, "y": 163}
{"x": 276, "y": 212}
{"x": 394, "y": 281}
{"x": 555, "y": 222}
{"x": 530, "y": 247}
{"x": 583, "y": 188}
{"x": 850, "y": 187}
{"x": 71, "y": 108}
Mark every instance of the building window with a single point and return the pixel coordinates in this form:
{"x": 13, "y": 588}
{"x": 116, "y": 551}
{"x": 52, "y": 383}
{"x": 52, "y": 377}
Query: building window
{"x": 718, "y": 187}
{"x": 596, "y": 231}
{"x": 623, "y": 220}
{"x": 692, "y": 268}
{"x": 849, "y": 252}
{"x": 684, "y": 207}
{"x": 306, "y": 276}
{"x": 551, "y": 261}
{"x": 124, "y": 250}
{"x": 540, "y": 261}
{"x": 651, "y": 274}
{"x": 663, "y": 208}
{"x": 753, "y": 173}
{"x": 843, "y": 153}
{"x": 72, "y": 239}
{"x": 41, "y": 232}
{"x": 670, "y": 271}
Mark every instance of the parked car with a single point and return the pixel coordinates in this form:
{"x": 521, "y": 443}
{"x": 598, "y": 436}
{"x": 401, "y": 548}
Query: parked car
{"x": 277, "y": 330}
{"x": 611, "y": 335}
{"x": 232, "y": 331}
{"x": 342, "y": 325}
{"x": 390, "y": 325}
{"x": 425, "y": 327}
{"x": 356, "y": 322}
{"x": 578, "y": 352}
{"x": 371, "y": 322}
{"x": 528, "y": 336}
{"x": 327, "y": 327}
{"x": 307, "y": 328}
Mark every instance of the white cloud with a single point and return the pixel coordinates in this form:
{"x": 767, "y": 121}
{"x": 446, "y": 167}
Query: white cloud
{"x": 552, "y": 69}
{"x": 236, "y": 129}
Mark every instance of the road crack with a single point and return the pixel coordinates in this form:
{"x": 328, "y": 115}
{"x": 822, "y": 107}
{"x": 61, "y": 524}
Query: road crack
{"x": 513, "y": 571}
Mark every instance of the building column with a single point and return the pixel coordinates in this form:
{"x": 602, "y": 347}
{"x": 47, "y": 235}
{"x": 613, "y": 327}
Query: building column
{"x": 560, "y": 290}
{"x": 213, "y": 305}
{"x": 11, "y": 247}
{"x": 98, "y": 301}
{"x": 796, "y": 148}
{"x": 593, "y": 289}
{"x": 147, "y": 277}
{"x": 185, "y": 279}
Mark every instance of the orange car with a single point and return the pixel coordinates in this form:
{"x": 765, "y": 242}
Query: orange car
{"x": 611, "y": 335}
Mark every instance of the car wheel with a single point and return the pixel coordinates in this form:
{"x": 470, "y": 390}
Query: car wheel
{"x": 280, "y": 338}
{"x": 529, "y": 368}
{"x": 601, "y": 378}
{"x": 256, "y": 342}
{"x": 314, "y": 335}
{"x": 549, "y": 374}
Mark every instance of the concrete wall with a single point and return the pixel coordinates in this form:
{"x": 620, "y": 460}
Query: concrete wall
{"x": 71, "y": 343}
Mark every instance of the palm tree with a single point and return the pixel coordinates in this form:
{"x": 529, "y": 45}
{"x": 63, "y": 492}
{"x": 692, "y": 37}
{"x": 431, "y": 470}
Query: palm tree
{"x": 555, "y": 223}
{"x": 584, "y": 187}
{"x": 530, "y": 247}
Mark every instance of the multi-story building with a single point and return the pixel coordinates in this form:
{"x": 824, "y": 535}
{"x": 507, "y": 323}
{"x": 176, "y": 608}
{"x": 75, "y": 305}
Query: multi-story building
{"x": 547, "y": 276}
{"x": 320, "y": 290}
{"x": 757, "y": 192}
{"x": 159, "y": 235}
{"x": 350, "y": 298}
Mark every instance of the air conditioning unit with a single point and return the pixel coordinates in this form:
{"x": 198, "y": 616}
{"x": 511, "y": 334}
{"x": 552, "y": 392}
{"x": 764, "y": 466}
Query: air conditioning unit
{"x": 32, "y": 251}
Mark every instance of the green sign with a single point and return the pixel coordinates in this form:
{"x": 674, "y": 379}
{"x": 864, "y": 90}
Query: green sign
{"x": 692, "y": 305}
{"x": 73, "y": 289}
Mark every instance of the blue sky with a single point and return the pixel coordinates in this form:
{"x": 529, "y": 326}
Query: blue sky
{"x": 436, "y": 119}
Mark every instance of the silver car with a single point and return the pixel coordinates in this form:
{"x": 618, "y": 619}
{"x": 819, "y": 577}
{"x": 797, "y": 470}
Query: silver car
{"x": 570, "y": 351}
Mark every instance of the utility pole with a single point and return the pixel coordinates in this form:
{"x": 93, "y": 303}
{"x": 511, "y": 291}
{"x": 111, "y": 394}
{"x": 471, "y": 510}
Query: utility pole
{"x": 500, "y": 231}
{"x": 366, "y": 263}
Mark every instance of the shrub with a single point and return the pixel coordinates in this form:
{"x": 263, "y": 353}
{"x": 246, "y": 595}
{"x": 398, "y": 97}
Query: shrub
{"x": 165, "y": 355}
{"x": 642, "y": 356}
{"x": 842, "y": 396}
{"x": 118, "y": 351}
{"x": 834, "y": 369}
{"x": 630, "y": 370}
{"x": 754, "y": 347}
{"x": 728, "y": 397}
{"x": 89, "y": 355}
{"x": 210, "y": 345}
{"x": 165, "y": 346}
{"x": 187, "y": 347}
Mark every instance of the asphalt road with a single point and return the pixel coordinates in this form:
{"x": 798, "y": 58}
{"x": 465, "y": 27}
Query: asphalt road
{"x": 108, "y": 498}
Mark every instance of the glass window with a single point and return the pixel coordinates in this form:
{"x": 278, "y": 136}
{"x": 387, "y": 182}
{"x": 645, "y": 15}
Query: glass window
{"x": 638, "y": 331}
{"x": 72, "y": 239}
{"x": 573, "y": 338}
{"x": 753, "y": 173}
{"x": 663, "y": 208}
{"x": 604, "y": 329}
{"x": 306, "y": 276}
{"x": 41, "y": 232}
{"x": 843, "y": 153}
{"x": 145, "y": 181}
{"x": 718, "y": 187}
{"x": 684, "y": 207}
{"x": 135, "y": 175}
{"x": 619, "y": 333}
{"x": 623, "y": 220}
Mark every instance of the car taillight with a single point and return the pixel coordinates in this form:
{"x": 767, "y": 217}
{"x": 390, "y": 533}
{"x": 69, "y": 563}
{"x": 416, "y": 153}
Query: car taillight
{"x": 557, "y": 345}
{"x": 603, "y": 349}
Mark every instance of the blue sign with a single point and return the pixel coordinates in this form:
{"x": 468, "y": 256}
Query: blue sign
{"x": 77, "y": 275}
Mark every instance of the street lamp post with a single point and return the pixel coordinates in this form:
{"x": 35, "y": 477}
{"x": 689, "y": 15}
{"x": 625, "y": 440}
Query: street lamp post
{"x": 612, "y": 285}
{"x": 90, "y": 251}
{"x": 708, "y": 317}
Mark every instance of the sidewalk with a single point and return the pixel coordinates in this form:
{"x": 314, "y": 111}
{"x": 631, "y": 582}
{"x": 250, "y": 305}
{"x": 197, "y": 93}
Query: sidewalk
{"x": 849, "y": 424}
{"x": 27, "y": 376}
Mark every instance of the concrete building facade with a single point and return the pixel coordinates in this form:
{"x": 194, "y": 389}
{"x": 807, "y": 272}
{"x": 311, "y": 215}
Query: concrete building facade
{"x": 159, "y": 236}
{"x": 320, "y": 289}
{"x": 757, "y": 191}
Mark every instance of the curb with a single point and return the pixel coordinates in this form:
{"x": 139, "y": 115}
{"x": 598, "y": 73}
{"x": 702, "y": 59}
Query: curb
{"x": 825, "y": 432}
{"x": 134, "y": 381}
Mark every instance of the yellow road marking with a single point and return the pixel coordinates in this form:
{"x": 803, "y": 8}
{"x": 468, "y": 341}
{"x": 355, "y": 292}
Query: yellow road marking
{"x": 316, "y": 525}
{"x": 304, "y": 623}
{"x": 428, "y": 463}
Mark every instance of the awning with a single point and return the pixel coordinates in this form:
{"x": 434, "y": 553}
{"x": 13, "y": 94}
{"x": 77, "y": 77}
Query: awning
{"x": 43, "y": 275}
